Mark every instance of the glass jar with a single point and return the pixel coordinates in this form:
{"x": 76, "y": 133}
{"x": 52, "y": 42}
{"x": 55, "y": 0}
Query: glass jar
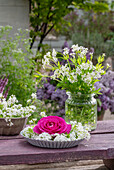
{"x": 81, "y": 108}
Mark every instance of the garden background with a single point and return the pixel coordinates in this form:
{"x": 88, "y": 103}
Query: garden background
{"x": 52, "y": 24}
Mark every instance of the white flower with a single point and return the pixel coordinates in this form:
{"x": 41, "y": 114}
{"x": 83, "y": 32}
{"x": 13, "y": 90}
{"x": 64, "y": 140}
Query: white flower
{"x": 11, "y": 124}
{"x": 54, "y": 53}
{"x": 103, "y": 55}
{"x": 34, "y": 119}
{"x": 33, "y": 95}
{"x": 27, "y": 30}
{"x": 72, "y": 136}
{"x": 10, "y": 108}
{"x": 45, "y": 61}
{"x": 44, "y": 136}
{"x": 87, "y": 135}
{"x": 75, "y": 48}
{"x": 56, "y": 74}
{"x": 65, "y": 51}
{"x": 28, "y": 101}
{"x": 73, "y": 54}
{"x": 0, "y": 95}
{"x": 48, "y": 54}
{"x": 30, "y": 121}
{"x": 108, "y": 65}
{"x": 42, "y": 114}
{"x": 61, "y": 137}
{"x": 64, "y": 70}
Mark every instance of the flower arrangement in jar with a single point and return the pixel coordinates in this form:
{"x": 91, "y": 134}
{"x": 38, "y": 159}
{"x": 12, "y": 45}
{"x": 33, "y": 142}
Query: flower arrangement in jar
{"x": 77, "y": 77}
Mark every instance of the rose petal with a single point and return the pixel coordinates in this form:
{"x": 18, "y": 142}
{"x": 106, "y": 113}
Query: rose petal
{"x": 37, "y": 130}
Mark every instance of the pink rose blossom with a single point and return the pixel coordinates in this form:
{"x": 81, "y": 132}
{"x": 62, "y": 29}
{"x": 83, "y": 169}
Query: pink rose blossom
{"x": 52, "y": 125}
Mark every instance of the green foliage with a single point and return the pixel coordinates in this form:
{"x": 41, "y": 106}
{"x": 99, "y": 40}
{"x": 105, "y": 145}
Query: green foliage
{"x": 91, "y": 30}
{"x": 97, "y": 6}
{"x": 39, "y": 56}
{"x": 16, "y": 62}
{"x": 40, "y": 107}
{"x": 46, "y": 15}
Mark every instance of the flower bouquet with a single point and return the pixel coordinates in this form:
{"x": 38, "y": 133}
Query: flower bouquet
{"x": 13, "y": 116}
{"x": 54, "y": 132}
{"x": 77, "y": 76}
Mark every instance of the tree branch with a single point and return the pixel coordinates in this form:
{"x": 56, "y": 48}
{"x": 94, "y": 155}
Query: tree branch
{"x": 49, "y": 30}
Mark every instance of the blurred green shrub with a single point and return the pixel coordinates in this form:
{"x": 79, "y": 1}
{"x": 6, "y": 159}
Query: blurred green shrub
{"x": 91, "y": 29}
{"x": 16, "y": 63}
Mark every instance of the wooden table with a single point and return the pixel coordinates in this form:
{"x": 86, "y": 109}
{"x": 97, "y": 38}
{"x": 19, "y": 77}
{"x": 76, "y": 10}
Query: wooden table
{"x": 16, "y": 150}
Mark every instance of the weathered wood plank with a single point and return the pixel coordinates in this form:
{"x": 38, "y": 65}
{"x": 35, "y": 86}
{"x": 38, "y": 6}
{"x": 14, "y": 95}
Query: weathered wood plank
{"x": 11, "y": 137}
{"x": 106, "y": 126}
{"x": 18, "y": 151}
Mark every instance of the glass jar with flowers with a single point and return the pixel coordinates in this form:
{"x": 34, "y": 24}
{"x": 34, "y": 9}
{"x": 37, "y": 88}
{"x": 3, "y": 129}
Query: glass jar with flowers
{"x": 77, "y": 76}
{"x": 13, "y": 116}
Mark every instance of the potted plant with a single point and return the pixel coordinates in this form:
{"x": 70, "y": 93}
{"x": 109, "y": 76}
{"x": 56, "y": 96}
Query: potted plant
{"x": 77, "y": 77}
{"x": 13, "y": 116}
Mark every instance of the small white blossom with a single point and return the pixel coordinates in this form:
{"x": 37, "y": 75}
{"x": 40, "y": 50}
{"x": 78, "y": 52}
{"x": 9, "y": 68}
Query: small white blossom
{"x": 103, "y": 54}
{"x": 30, "y": 121}
{"x": 28, "y": 101}
{"x": 65, "y": 51}
{"x": 61, "y": 137}
{"x": 75, "y": 48}
{"x": 42, "y": 114}
{"x": 44, "y": 136}
{"x": 54, "y": 53}
{"x": 10, "y": 109}
{"x": 33, "y": 95}
{"x": 108, "y": 65}
{"x": 0, "y": 95}
{"x": 45, "y": 61}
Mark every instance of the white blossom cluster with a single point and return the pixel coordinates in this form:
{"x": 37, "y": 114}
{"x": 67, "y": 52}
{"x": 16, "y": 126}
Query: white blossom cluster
{"x": 77, "y": 132}
{"x": 83, "y": 70}
{"x": 49, "y": 57}
{"x": 80, "y": 49}
{"x": 10, "y": 108}
{"x": 87, "y": 71}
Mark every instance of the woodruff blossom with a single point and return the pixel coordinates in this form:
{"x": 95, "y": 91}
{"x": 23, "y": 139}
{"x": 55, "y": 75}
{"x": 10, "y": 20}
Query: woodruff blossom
{"x": 78, "y": 74}
{"x": 10, "y": 108}
{"x": 65, "y": 51}
{"x": 42, "y": 114}
{"x": 54, "y": 53}
{"x": 33, "y": 95}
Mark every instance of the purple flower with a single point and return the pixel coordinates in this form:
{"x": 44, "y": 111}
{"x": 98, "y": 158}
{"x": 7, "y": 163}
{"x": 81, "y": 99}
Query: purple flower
{"x": 106, "y": 84}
